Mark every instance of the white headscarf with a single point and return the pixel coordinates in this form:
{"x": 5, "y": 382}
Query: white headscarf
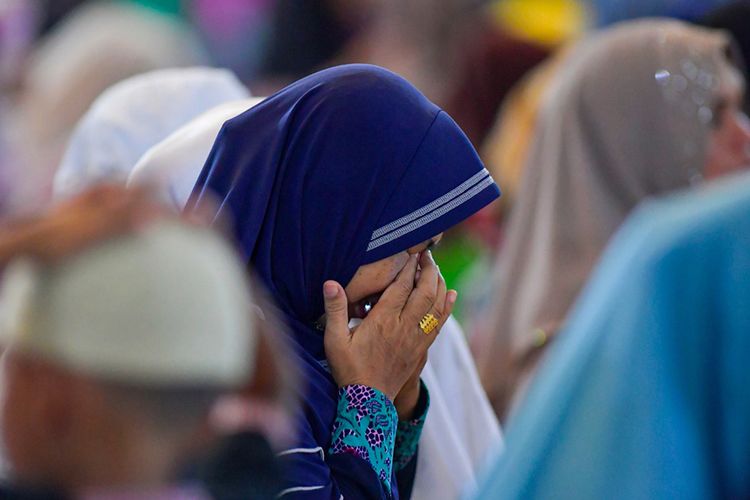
{"x": 135, "y": 114}
{"x": 629, "y": 117}
{"x": 173, "y": 165}
{"x": 461, "y": 431}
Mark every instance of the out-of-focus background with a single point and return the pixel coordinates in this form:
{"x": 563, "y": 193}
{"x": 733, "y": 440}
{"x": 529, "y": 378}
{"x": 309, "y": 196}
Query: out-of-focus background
{"x": 484, "y": 62}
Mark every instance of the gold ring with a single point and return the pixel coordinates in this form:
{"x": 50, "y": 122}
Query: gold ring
{"x": 428, "y": 323}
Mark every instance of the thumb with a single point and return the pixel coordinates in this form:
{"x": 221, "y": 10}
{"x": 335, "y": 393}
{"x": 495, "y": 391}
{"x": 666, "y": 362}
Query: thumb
{"x": 337, "y": 309}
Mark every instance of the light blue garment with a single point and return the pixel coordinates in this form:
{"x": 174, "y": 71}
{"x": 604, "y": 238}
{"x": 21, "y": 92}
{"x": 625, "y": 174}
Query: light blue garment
{"x": 647, "y": 393}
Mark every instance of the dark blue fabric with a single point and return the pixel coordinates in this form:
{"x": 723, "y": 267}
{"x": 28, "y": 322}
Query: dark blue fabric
{"x": 308, "y": 176}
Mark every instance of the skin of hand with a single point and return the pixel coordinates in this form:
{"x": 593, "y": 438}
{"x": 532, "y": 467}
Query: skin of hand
{"x": 388, "y": 349}
{"x": 99, "y": 213}
{"x": 407, "y": 399}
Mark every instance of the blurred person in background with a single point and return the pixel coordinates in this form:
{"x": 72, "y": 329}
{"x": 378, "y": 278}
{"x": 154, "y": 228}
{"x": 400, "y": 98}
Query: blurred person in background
{"x": 239, "y": 462}
{"x": 107, "y": 390}
{"x": 304, "y": 36}
{"x": 417, "y": 39}
{"x": 453, "y": 51}
{"x": 133, "y": 115}
{"x": 637, "y": 111}
{"x": 646, "y": 394}
{"x": 274, "y": 175}
{"x": 461, "y": 430}
{"x": 235, "y": 32}
{"x": 96, "y": 46}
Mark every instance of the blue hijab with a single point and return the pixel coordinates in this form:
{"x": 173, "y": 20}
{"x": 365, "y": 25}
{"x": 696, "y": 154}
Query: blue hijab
{"x": 343, "y": 168}
{"x": 647, "y": 394}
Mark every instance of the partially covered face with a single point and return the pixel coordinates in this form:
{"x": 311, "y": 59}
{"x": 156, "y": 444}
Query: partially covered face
{"x": 370, "y": 280}
{"x": 729, "y": 142}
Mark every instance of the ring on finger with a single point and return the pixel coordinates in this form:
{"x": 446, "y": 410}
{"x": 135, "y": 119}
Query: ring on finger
{"x": 428, "y": 323}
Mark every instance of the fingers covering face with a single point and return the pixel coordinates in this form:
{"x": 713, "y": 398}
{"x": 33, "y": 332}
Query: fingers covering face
{"x": 397, "y": 294}
{"x": 425, "y": 293}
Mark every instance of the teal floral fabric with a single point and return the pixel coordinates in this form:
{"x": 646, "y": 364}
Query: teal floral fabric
{"x": 365, "y": 427}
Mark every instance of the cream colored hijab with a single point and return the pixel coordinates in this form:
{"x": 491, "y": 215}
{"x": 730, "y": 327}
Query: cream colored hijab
{"x": 172, "y": 166}
{"x": 629, "y": 117}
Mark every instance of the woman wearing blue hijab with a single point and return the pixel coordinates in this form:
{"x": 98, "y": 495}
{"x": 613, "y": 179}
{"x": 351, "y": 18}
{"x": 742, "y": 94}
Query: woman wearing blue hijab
{"x": 646, "y": 396}
{"x": 345, "y": 177}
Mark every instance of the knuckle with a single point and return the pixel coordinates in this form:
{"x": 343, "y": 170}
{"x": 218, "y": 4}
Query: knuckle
{"x": 404, "y": 288}
{"x": 335, "y": 307}
{"x": 428, "y": 299}
{"x": 439, "y": 315}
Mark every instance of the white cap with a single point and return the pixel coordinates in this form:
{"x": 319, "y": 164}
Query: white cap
{"x": 169, "y": 306}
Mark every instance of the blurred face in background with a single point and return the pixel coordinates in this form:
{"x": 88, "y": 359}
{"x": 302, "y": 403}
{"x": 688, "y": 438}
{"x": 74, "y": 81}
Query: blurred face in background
{"x": 729, "y": 143}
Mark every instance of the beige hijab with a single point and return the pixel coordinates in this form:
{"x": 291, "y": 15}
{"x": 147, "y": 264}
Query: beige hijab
{"x": 629, "y": 117}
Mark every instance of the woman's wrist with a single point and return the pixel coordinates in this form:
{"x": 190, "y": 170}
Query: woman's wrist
{"x": 409, "y": 431}
{"x": 407, "y": 399}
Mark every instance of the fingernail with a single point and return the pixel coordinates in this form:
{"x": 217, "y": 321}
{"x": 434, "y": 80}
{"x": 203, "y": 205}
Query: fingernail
{"x": 452, "y": 296}
{"x": 330, "y": 290}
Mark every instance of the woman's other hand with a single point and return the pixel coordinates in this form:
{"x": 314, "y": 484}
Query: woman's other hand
{"x": 388, "y": 349}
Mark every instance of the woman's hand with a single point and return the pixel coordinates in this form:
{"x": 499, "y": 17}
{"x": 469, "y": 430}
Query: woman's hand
{"x": 388, "y": 348}
{"x": 407, "y": 399}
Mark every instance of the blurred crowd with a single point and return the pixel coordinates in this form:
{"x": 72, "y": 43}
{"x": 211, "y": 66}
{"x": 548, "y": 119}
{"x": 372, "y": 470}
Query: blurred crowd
{"x": 175, "y": 167}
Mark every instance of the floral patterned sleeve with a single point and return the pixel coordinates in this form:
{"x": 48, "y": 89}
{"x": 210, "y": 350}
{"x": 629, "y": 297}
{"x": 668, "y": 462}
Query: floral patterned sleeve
{"x": 409, "y": 431}
{"x": 365, "y": 427}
